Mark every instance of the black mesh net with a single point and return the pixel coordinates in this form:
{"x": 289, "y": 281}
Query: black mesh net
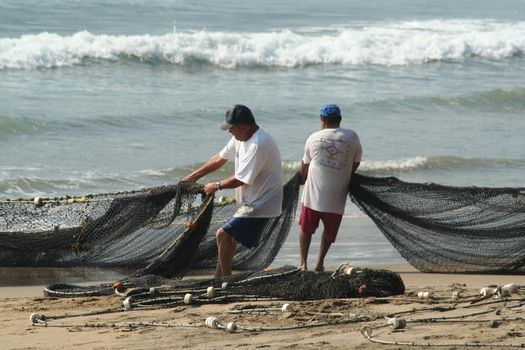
{"x": 163, "y": 230}
{"x": 167, "y": 230}
{"x": 444, "y": 228}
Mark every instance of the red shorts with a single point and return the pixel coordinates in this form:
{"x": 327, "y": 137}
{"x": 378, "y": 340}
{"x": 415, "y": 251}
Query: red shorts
{"x": 310, "y": 218}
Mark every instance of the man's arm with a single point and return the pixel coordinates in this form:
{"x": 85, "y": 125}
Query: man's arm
{"x": 304, "y": 172}
{"x": 211, "y": 165}
{"x": 230, "y": 182}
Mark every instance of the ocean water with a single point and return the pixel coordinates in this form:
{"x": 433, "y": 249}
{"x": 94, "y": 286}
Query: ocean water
{"x": 104, "y": 96}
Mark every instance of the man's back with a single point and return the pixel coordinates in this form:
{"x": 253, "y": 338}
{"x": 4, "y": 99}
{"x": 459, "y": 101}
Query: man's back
{"x": 330, "y": 154}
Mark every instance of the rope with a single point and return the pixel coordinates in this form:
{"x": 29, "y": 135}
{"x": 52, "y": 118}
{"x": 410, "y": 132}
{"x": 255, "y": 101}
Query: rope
{"x": 366, "y": 331}
{"x": 299, "y": 326}
{"x": 38, "y": 317}
{"x": 211, "y": 322}
{"x": 165, "y": 296}
{"x": 119, "y": 325}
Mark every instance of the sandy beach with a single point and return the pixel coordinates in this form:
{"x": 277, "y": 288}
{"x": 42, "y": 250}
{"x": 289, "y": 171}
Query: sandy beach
{"x": 463, "y": 322}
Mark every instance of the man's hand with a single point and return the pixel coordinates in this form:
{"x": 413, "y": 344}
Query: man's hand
{"x": 210, "y": 187}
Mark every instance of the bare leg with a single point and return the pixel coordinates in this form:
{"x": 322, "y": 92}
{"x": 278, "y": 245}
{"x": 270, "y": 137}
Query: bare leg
{"x": 323, "y": 249}
{"x": 218, "y": 270}
{"x": 304, "y": 242}
{"x": 226, "y": 249}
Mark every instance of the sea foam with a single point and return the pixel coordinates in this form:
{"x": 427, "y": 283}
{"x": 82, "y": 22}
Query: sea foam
{"x": 416, "y": 163}
{"x": 393, "y": 44}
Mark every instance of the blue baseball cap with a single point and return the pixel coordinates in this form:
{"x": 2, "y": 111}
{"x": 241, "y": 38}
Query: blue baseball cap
{"x": 330, "y": 110}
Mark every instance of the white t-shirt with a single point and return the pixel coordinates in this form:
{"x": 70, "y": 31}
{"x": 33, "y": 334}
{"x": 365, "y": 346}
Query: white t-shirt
{"x": 330, "y": 154}
{"x": 258, "y": 165}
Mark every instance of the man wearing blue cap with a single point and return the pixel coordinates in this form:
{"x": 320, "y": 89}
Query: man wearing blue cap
{"x": 330, "y": 157}
{"x": 257, "y": 181}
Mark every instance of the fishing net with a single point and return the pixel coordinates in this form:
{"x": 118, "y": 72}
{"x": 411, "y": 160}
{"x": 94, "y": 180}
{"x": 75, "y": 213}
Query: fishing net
{"x": 157, "y": 231}
{"x": 287, "y": 282}
{"x": 167, "y": 230}
{"x": 106, "y": 230}
{"x": 445, "y": 228}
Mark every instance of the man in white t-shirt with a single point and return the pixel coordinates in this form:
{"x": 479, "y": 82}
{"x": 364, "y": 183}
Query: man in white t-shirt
{"x": 257, "y": 181}
{"x": 330, "y": 157}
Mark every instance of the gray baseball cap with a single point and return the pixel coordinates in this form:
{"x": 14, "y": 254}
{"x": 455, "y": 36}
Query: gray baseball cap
{"x": 238, "y": 114}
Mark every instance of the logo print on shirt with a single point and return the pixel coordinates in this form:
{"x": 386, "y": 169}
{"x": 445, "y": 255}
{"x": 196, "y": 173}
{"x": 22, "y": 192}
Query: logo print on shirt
{"x": 331, "y": 156}
{"x": 332, "y": 150}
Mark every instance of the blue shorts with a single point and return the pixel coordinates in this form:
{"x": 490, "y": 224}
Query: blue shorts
{"x": 246, "y": 231}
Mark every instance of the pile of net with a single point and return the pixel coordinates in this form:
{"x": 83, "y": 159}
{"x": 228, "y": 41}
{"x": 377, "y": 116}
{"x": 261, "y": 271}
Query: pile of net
{"x": 288, "y": 283}
{"x": 445, "y": 228}
{"x": 164, "y": 230}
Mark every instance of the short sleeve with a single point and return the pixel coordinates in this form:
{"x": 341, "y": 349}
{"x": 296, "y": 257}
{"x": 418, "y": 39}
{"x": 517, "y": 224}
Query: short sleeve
{"x": 228, "y": 152}
{"x": 307, "y": 157}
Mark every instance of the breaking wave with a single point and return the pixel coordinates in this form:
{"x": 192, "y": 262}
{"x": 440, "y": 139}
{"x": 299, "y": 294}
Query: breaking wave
{"x": 394, "y": 44}
{"x": 12, "y": 185}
